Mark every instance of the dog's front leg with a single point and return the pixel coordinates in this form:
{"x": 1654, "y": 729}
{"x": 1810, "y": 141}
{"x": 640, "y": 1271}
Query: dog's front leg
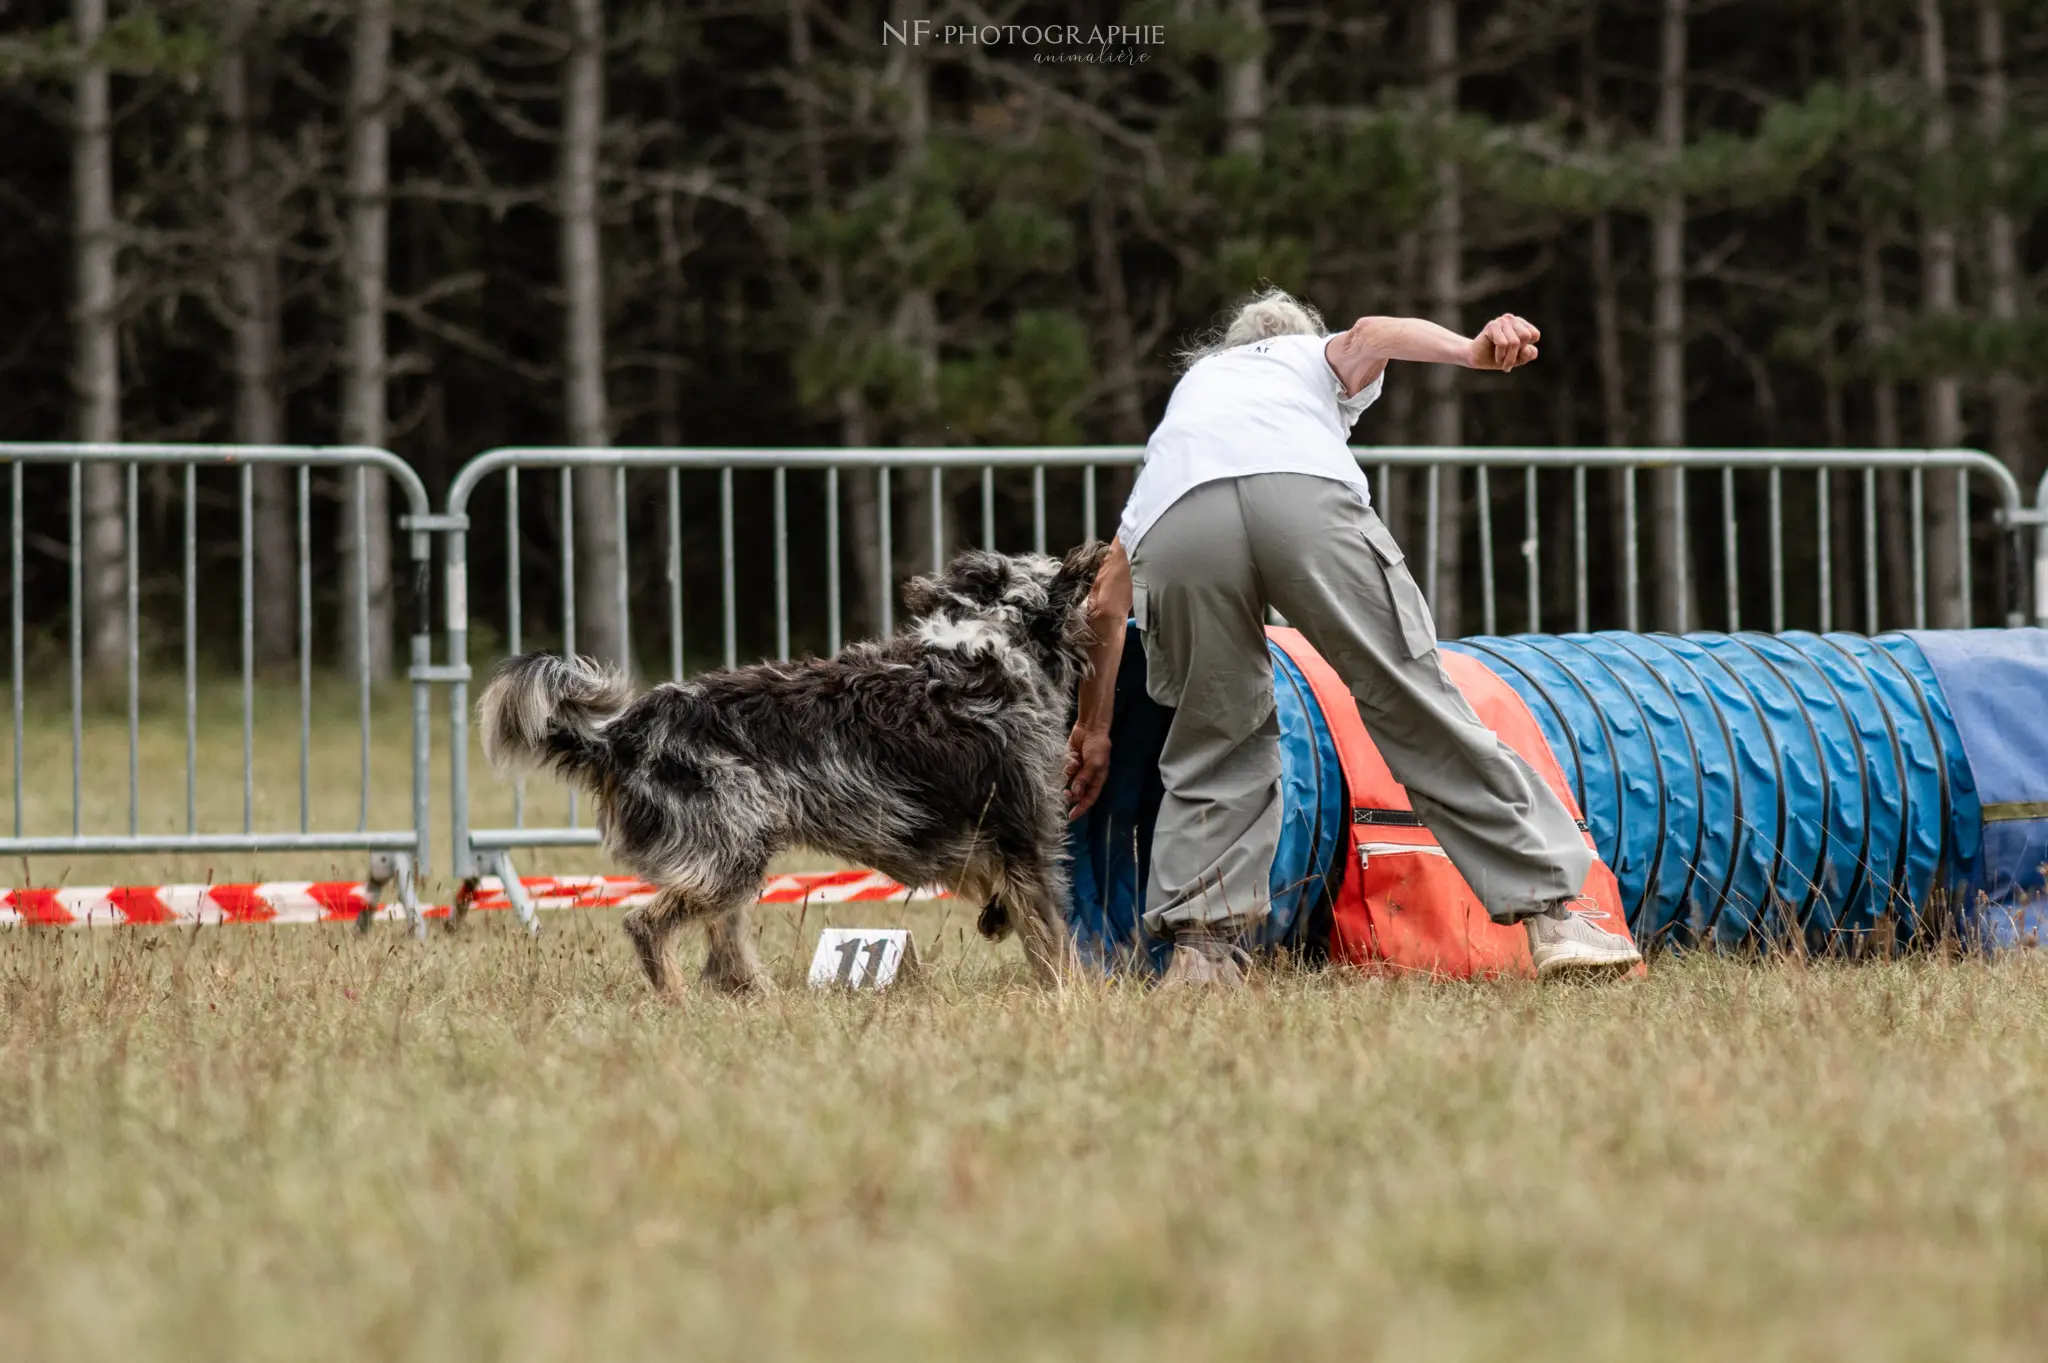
{"x": 1038, "y": 913}
{"x": 649, "y": 927}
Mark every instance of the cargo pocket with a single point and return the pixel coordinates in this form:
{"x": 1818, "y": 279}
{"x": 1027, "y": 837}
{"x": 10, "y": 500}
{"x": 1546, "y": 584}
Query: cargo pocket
{"x": 1159, "y": 680}
{"x": 1418, "y": 627}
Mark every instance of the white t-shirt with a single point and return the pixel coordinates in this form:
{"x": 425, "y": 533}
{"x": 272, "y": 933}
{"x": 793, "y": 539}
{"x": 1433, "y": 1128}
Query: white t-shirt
{"x": 1273, "y": 406}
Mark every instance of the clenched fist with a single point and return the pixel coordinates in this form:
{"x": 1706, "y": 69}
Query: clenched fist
{"x": 1505, "y": 343}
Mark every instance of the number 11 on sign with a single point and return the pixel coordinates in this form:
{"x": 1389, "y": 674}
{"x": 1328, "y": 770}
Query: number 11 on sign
{"x": 861, "y": 958}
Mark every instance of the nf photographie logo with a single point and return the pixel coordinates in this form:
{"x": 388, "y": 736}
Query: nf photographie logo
{"x": 1121, "y": 44}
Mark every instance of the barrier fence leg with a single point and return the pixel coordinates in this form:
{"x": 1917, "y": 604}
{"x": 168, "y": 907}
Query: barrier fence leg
{"x": 515, "y": 892}
{"x": 409, "y": 896}
{"x": 387, "y": 868}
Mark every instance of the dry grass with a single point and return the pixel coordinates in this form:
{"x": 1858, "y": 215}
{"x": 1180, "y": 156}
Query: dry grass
{"x": 298, "y": 1143}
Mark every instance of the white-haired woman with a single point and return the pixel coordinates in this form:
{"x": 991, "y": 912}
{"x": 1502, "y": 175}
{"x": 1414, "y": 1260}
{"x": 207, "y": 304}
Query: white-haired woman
{"x": 1249, "y": 497}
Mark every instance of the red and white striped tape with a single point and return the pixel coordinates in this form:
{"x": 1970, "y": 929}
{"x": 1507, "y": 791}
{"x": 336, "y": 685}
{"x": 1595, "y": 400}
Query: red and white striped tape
{"x": 303, "y": 901}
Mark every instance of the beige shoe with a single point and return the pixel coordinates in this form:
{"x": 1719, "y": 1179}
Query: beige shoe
{"x": 1571, "y": 939}
{"x": 1205, "y": 960}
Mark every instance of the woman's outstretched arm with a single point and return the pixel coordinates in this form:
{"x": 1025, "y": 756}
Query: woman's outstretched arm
{"x": 1358, "y": 354}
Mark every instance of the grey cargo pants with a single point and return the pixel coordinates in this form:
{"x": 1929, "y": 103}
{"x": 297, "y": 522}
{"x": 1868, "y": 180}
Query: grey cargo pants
{"x": 1202, "y": 578}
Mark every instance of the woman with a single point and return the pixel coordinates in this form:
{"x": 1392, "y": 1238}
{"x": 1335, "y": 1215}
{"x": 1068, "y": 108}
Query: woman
{"x": 1250, "y": 497}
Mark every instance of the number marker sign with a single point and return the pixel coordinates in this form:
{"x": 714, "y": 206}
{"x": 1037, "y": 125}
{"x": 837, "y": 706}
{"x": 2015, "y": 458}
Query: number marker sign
{"x": 862, "y": 958}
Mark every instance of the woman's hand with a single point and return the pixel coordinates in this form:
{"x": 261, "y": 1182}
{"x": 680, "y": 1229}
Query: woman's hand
{"x": 1505, "y": 343}
{"x": 1087, "y": 767}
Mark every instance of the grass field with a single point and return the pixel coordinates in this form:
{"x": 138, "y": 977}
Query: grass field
{"x": 300, "y": 1143}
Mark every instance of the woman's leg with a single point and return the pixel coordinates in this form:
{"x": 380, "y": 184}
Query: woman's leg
{"x": 1331, "y": 568}
{"x": 1198, "y": 603}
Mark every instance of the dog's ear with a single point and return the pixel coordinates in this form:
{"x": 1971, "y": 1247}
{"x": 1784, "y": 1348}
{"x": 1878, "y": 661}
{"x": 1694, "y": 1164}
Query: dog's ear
{"x": 922, "y": 595}
{"x": 1078, "y": 569}
{"x": 979, "y": 576}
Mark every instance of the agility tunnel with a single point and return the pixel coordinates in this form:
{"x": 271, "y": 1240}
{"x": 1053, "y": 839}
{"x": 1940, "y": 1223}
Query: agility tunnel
{"x": 1845, "y": 792}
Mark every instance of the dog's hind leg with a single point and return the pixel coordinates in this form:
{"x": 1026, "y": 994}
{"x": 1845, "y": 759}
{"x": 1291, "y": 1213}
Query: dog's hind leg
{"x": 734, "y": 962}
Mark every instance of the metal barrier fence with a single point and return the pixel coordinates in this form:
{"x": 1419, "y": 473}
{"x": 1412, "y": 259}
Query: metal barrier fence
{"x": 2037, "y": 520}
{"x": 942, "y": 474}
{"x": 398, "y": 854}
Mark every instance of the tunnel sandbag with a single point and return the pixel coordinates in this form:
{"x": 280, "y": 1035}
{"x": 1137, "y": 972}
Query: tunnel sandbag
{"x": 1995, "y": 684}
{"x": 1403, "y": 906}
{"x": 1753, "y": 788}
{"x": 1111, "y": 845}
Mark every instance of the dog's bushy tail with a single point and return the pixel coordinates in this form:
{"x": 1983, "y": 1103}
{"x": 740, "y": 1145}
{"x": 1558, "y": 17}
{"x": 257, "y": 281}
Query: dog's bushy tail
{"x": 541, "y": 710}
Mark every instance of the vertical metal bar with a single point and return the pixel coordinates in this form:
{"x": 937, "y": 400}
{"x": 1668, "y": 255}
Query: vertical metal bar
{"x": 1038, "y": 508}
{"x": 1777, "y": 551}
{"x": 514, "y": 630}
{"x": 514, "y": 624}
{"x": 1631, "y": 555}
{"x": 1088, "y": 502}
{"x": 77, "y": 648}
{"x": 1963, "y": 539}
{"x": 938, "y": 515}
{"x": 1532, "y": 548}
{"x": 1681, "y": 549}
{"x": 1870, "y": 612}
{"x": 1581, "y": 604}
{"x": 728, "y": 585}
{"x": 568, "y": 500}
{"x": 1383, "y": 493}
{"x": 248, "y": 497}
{"x": 1432, "y": 499}
{"x": 305, "y": 518}
{"x": 675, "y": 574}
{"x": 191, "y": 648}
{"x": 1919, "y": 549}
{"x": 832, "y": 616}
{"x": 455, "y": 578}
{"x": 134, "y": 656}
{"x": 363, "y": 640}
{"x": 14, "y": 618}
{"x": 569, "y": 594}
{"x": 1827, "y": 566}
{"x": 622, "y": 594}
{"x": 1730, "y": 573}
{"x": 782, "y": 563}
{"x": 885, "y": 571}
{"x": 1484, "y": 493}
{"x": 988, "y": 508}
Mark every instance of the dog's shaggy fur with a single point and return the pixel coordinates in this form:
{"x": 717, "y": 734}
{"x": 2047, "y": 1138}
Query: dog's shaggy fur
{"x": 934, "y": 757}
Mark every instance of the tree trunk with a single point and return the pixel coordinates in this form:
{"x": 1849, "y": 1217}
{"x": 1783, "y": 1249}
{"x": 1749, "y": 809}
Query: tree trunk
{"x": 1244, "y": 83}
{"x": 1126, "y": 390}
{"x": 96, "y": 346}
{"x": 600, "y": 626}
{"x": 859, "y": 593}
{"x": 1943, "y": 427}
{"x": 1446, "y": 284}
{"x": 1670, "y": 551}
{"x": 366, "y": 573}
{"x": 1394, "y": 497}
{"x": 2011, "y": 440}
{"x": 1614, "y": 421}
{"x": 1894, "y": 569}
{"x": 256, "y": 330}
{"x": 915, "y": 325}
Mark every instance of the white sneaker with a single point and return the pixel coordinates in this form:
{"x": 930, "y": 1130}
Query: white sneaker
{"x": 1570, "y": 938}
